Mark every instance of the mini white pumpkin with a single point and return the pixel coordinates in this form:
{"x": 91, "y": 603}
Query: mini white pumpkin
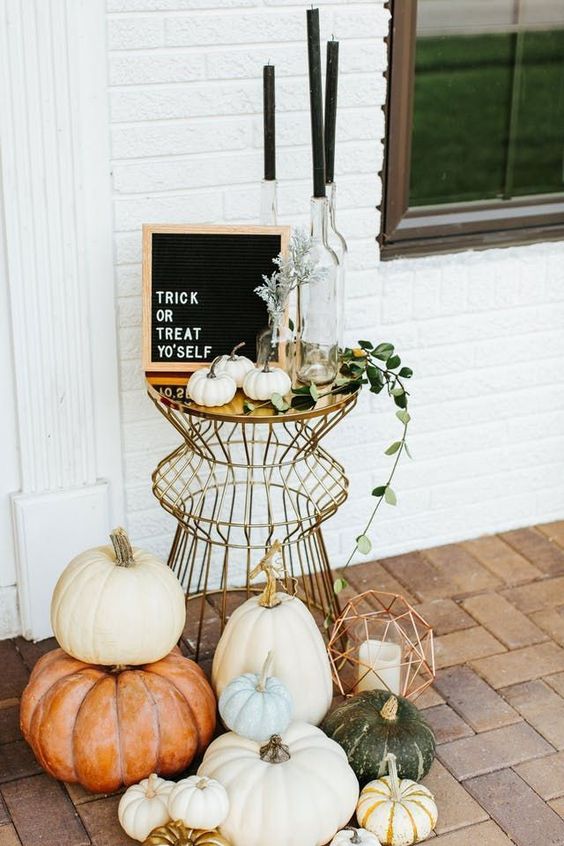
{"x": 261, "y": 383}
{"x": 256, "y": 705}
{"x": 282, "y": 624}
{"x": 236, "y": 366}
{"x": 199, "y": 802}
{"x": 356, "y": 836}
{"x": 144, "y": 806}
{"x": 115, "y": 606}
{"x": 297, "y": 790}
{"x": 398, "y": 812}
{"x": 209, "y": 388}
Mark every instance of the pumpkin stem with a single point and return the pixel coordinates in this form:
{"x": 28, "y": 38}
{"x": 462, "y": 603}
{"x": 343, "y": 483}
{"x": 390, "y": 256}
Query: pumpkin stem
{"x": 355, "y": 838}
{"x": 202, "y": 784}
{"x": 122, "y": 548}
{"x": 274, "y": 752}
{"x": 234, "y": 350}
{"x": 390, "y": 709}
{"x": 390, "y": 759}
{"x": 261, "y": 686}
{"x": 268, "y": 565}
{"x": 150, "y": 792}
{"x": 118, "y": 668}
{"x": 213, "y": 365}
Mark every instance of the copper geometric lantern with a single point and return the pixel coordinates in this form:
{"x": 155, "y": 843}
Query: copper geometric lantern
{"x": 381, "y": 641}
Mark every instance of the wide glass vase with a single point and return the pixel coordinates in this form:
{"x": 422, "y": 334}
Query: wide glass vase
{"x": 317, "y": 348}
{"x": 339, "y": 246}
{"x": 276, "y": 344}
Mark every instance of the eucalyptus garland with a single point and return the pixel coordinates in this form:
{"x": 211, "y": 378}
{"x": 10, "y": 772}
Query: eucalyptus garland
{"x": 380, "y": 367}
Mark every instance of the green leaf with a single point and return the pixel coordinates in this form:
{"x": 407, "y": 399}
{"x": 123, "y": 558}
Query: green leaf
{"x": 304, "y": 389}
{"x": 393, "y": 448}
{"x": 374, "y": 375}
{"x": 379, "y": 491}
{"x": 279, "y": 402}
{"x": 403, "y": 415}
{"x": 401, "y": 401}
{"x": 328, "y": 621}
{"x": 406, "y": 448}
{"x": 303, "y": 402}
{"x": 350, "y": 387}
{"x": 406, "y": 372}
{"x": 248, "y": 407}
{"x": 363, "y": 544}
{"x": 397, "y": 392}
{"x": 393, "y": 362}
{"x": 339, "y": 585}
{"x": 390, "y": 496}
{"x": 383, "y": 351}
{"x": 366, "y": 345}
{"x": 314, "y": 392}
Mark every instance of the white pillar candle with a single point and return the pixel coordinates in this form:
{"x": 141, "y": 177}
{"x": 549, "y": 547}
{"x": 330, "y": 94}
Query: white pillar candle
{"x": 384, "y": 659}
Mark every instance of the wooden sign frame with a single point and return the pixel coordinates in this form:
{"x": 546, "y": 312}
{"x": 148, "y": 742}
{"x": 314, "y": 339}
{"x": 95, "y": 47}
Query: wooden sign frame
{"x": 149, "y": 230}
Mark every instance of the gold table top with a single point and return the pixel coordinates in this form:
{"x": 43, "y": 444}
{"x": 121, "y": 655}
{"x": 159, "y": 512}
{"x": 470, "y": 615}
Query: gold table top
{"x": 169, "y": 389}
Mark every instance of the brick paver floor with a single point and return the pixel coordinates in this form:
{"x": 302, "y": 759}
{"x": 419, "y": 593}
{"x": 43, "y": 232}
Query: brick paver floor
{"x": 497, "y": 707}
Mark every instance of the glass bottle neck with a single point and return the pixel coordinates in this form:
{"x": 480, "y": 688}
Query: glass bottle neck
{"x": 319, "y": 218}
{"x": 268, "y": 202}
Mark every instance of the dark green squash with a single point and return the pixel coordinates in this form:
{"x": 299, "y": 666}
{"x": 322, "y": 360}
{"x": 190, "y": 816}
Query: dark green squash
{"x": 373, "y": 723}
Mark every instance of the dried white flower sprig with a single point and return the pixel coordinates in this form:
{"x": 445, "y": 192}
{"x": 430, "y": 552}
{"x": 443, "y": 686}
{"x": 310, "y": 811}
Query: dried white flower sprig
{"x": 295, "y": 268}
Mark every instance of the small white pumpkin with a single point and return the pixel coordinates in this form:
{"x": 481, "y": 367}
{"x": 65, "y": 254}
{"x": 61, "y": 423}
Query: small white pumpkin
{"x": 277, "y": 622}
{"x": 398, "y": 812}
{"x": 208, "y": 388}
{"x": 295, "y": 790}
{"x": 236, "y": 366}
{"x": 356, "y": 836}
{"x": 199, "y": 802}
{"x": 256, "y": 705}
{"x": 144, "y": 806}
{"x": 261, "y": 383}
{"x": 117, "y": 606}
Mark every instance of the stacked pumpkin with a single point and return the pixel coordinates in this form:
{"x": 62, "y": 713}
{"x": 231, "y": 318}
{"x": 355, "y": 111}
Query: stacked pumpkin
{"x": 288, "y": 783}
{"x": 118, "y": 701}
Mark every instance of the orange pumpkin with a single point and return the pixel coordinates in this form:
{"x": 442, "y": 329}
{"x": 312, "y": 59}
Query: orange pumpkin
{"x": 105, "y": 728}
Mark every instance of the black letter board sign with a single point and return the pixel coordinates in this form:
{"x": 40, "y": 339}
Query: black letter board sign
{"x": 198, "y": 291}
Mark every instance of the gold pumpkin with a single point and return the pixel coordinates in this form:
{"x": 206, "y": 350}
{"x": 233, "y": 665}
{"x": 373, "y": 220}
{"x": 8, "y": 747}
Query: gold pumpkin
{"x": 175, "y": 833}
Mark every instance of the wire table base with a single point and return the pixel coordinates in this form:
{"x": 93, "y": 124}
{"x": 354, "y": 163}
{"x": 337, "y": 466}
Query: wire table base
{"x": 239, "y": 482}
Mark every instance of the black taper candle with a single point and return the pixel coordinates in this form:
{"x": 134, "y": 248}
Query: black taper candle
{"x": 269, "y": 109}
{"x": 316, "y": 102}
{"x": 331, "y": 79}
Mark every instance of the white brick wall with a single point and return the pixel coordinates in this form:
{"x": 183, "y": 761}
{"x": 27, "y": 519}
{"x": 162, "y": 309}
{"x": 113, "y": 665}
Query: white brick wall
{"x": 482, "y": 331}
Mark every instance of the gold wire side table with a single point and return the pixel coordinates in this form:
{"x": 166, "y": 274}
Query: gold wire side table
{"x": 237, "y": 483}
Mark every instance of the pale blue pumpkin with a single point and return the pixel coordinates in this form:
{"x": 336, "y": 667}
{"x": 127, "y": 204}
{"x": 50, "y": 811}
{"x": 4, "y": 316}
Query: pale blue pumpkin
{"x": 256, "y": 705}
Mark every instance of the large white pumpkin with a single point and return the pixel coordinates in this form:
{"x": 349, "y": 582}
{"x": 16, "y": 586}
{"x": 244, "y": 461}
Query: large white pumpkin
{"x": 117, "y": 606}
{"x": 297, "y": 790}
{"x": 278, "y": 623}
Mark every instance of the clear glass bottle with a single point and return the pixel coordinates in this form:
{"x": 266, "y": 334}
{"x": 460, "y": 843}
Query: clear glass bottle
{"x": 268, "y": 202}
{"x": 317, "y": 349}
{"x": 339, "y": 246}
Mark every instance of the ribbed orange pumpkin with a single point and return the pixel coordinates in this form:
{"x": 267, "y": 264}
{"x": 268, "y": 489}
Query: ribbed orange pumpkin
{"x": 106, "y": 729}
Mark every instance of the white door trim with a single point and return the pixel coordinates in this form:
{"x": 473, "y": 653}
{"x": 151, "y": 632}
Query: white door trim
{"x": 54, "y": 133}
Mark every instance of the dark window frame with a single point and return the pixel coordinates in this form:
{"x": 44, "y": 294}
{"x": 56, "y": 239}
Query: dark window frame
{"x": 423, "y": 230}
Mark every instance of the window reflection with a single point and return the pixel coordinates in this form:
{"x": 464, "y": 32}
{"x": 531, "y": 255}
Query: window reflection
{"x": 488, "y": 121}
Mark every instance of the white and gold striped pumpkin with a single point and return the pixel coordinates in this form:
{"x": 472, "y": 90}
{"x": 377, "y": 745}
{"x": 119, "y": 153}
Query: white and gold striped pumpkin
{"x": 398, "y": 812}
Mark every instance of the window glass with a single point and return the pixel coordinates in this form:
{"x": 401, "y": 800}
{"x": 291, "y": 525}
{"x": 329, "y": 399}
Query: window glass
{"x": 488, "y": 119}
